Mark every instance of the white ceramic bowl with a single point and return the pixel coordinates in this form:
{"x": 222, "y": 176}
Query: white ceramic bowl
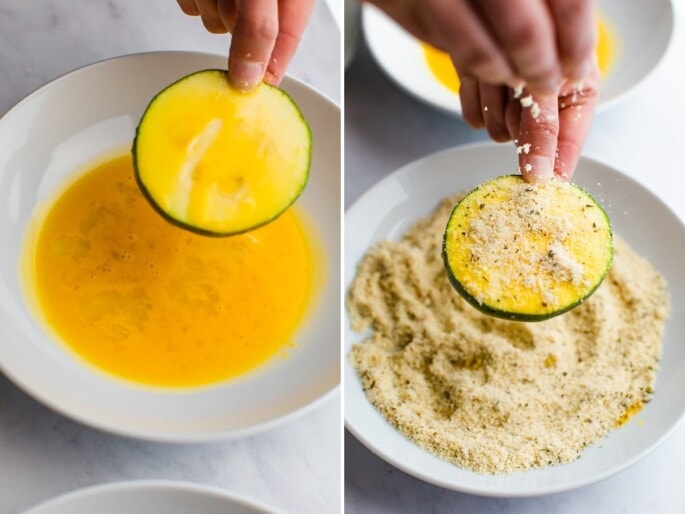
{"x": 89, "y": 112}
{"x": 644, "y": 32}
{"x": 144, "y": 497}
{"x": 389, "y": 208}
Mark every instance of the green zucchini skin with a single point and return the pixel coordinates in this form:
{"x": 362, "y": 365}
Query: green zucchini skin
{"x": 519, "y": 316}
{"x": 184, "y": 224}
{"x": 199, "y": 230}
{"x": 511, "y": 316}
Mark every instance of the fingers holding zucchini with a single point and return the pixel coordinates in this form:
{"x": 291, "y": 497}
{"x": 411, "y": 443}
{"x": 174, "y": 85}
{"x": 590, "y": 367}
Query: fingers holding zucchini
{"x": 220, "y": 161}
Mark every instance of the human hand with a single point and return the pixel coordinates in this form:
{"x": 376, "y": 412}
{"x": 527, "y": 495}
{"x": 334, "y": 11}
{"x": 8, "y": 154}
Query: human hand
{"x": 549, "y": 142}
{"x": 537, "y": 42}
{"x": 265, "y": 34}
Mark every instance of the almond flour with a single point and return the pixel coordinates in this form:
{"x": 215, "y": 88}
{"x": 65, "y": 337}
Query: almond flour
{"x": 498, "y": 396}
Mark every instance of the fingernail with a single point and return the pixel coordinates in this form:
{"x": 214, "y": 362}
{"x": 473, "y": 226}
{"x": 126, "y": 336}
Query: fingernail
{"x": 247, "y": 75}
{"x": 537, "y": 168}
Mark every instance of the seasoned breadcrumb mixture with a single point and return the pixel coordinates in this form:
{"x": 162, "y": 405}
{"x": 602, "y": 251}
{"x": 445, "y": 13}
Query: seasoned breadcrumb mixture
{"x": 498, "y": 396}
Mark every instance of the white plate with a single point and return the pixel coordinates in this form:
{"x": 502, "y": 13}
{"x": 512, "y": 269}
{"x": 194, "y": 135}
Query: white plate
{"x": 145, "y": 497}
{"x": 388, "y": 209}
{"x": 71, "y": 121}
{"x": 644, "y": 31}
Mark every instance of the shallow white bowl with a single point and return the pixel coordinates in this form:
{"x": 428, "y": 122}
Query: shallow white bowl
{"x": 146, "y": 496}
{"x": 89, "y": 112}
{"x": 644, "y": 31}
{"x": 389, "y": 208}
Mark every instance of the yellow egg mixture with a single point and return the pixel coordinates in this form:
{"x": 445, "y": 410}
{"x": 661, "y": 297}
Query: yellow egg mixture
{"x": 152, "y": 303}
{"x": 440, "y": 64}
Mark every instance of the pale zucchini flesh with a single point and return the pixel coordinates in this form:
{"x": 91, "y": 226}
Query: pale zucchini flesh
{"x": 527, "y": 252}
{"x": 220, "y": 161}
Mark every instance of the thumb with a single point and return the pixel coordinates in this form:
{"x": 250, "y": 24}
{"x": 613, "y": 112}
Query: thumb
{"x": 254, "y": 36}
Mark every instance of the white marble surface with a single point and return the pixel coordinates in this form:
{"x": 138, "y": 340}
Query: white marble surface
{"x": 296, "y": 467}
{"x": 385, "y": 128}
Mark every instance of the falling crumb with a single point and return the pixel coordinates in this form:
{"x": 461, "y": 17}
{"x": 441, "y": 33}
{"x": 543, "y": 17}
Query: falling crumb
{"x": 528, "y": 167}
{"x": 535, "y": 110}
{"x": 528, "y": 102}
{"x": 524, "y": 148}
{"x": 485, "y": 108}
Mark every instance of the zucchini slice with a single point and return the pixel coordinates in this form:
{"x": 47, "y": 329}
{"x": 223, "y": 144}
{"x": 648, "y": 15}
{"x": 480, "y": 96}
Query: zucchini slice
{"x": 527, "y": 252}
{"x": 219, "y": 161}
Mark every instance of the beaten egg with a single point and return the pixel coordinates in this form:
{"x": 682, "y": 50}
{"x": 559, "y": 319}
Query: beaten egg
{"x": 441, "y": 67}
{"x": 151, "y": 303}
